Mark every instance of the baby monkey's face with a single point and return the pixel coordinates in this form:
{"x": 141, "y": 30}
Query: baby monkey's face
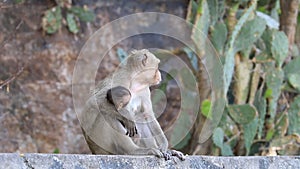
{"x": 125, "y": 100}
{"x": 118, "y": 96}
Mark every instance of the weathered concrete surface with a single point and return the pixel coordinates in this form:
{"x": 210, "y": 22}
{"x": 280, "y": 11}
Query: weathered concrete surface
{"x": 76, "y": 161}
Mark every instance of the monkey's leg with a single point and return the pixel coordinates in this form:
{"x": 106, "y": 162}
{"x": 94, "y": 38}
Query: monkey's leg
{"x": 157, "y": 138}
{"x": 124, "y": 145}
{"x": 145, "y": 138}
{"x": 162, "y": 141}
{"x": 158, "y": 134}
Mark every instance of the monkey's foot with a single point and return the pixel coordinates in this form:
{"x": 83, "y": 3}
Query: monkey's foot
{"x": 156, "y": 152}
{"x": 166, "y": 155}
{"x": 178, "y": 154}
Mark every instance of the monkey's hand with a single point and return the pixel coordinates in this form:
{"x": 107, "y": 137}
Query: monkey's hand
{"x": 178, "y": 154}
{"x": 129, "y": 126}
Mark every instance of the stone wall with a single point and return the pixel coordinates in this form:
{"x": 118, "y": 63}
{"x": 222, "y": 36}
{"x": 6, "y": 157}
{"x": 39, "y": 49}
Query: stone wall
{"x": 53, "y": 161}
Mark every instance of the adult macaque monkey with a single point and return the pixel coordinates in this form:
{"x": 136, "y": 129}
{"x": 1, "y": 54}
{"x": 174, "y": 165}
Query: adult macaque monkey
{"x": 104, "y": 132}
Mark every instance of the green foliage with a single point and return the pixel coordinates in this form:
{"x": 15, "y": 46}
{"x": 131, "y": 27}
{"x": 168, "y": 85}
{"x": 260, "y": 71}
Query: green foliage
{"x": 268, "y": 93}
{"x": 281, "y": 125}
{"x": 259, "y": 115}
{"x": 218, "y": 139}
{"x": 270, "y": 134}
{"x": 262, "y": 57}
{"x": 294, "y": 117}
{"x": 51, "y": 22}
{"x": 271, "y": 22}
{"x": 202, "y": 21}
{"x": 216, "y": 10}
{"x": 250, "y": 131}
{"x": 72, "y": 23}
{"x": 206, "y": 108}
{"x": 292, "y": 72}
{"x": 219, "y": 36}
{"x": 19, "y": 1}
{"x": 56, "y": 151}
{"x": 188, "y": 79}
{"x": 261, "y": 105}
{"x": 230, "y": 47}
{"x": 53, "y": 18}
{"x": 192, "y": 10}
{"x": 274, "y": 79}
{"x": 83, "y": 14}
{"x": 277, "y": 45}
{"x": 249, "y": 34}
{"x": 292, "y": 67}
{"x": 242, "y": 114}
{"x": 294, "y": 81}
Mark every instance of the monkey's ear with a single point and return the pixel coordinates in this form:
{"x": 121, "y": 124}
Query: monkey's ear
{"x": 144, "y": 61}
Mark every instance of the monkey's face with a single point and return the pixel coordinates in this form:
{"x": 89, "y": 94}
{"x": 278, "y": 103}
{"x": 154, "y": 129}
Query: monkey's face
{"x": 152, "y": 69}
{"x": 149, "y": 77}
{"x": 157, "y": 77}
{"x": 144, "y": 67}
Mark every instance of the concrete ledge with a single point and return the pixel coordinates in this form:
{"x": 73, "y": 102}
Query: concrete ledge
{"x": 74, "y": 161}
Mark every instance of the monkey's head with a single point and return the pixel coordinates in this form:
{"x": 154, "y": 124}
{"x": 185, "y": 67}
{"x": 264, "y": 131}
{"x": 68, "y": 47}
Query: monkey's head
{"x": 118, "y": 96}
{"x": 144, "y": 64}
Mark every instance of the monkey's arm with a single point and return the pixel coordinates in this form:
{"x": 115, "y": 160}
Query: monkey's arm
{"x": 122, "y": 115}
{"x": 127, "y": 121}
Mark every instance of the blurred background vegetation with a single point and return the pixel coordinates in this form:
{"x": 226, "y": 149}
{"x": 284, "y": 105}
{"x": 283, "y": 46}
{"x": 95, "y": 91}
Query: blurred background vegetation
{"x": 258, "y": 42}
{"x": 259, "y": 48}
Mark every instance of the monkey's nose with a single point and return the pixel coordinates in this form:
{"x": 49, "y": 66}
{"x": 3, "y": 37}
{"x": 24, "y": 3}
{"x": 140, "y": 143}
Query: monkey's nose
{"x": 158, "y": 79}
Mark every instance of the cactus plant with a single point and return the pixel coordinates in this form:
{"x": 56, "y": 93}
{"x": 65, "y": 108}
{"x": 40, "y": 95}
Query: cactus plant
{"x": 256, "y": 73}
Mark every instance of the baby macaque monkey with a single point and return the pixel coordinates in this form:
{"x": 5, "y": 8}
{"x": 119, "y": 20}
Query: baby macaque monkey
{"x": 120, "y": 96}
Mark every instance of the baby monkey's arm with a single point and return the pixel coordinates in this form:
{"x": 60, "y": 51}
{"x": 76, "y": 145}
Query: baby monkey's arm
{"x": 120, "y": 96}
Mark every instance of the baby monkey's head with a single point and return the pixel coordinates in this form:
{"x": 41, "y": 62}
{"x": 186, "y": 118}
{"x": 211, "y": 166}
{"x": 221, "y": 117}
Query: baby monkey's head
{"x": 118, "y": 96}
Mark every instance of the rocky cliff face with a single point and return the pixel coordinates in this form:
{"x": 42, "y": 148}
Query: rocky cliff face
{"x": 36, "y": 111}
